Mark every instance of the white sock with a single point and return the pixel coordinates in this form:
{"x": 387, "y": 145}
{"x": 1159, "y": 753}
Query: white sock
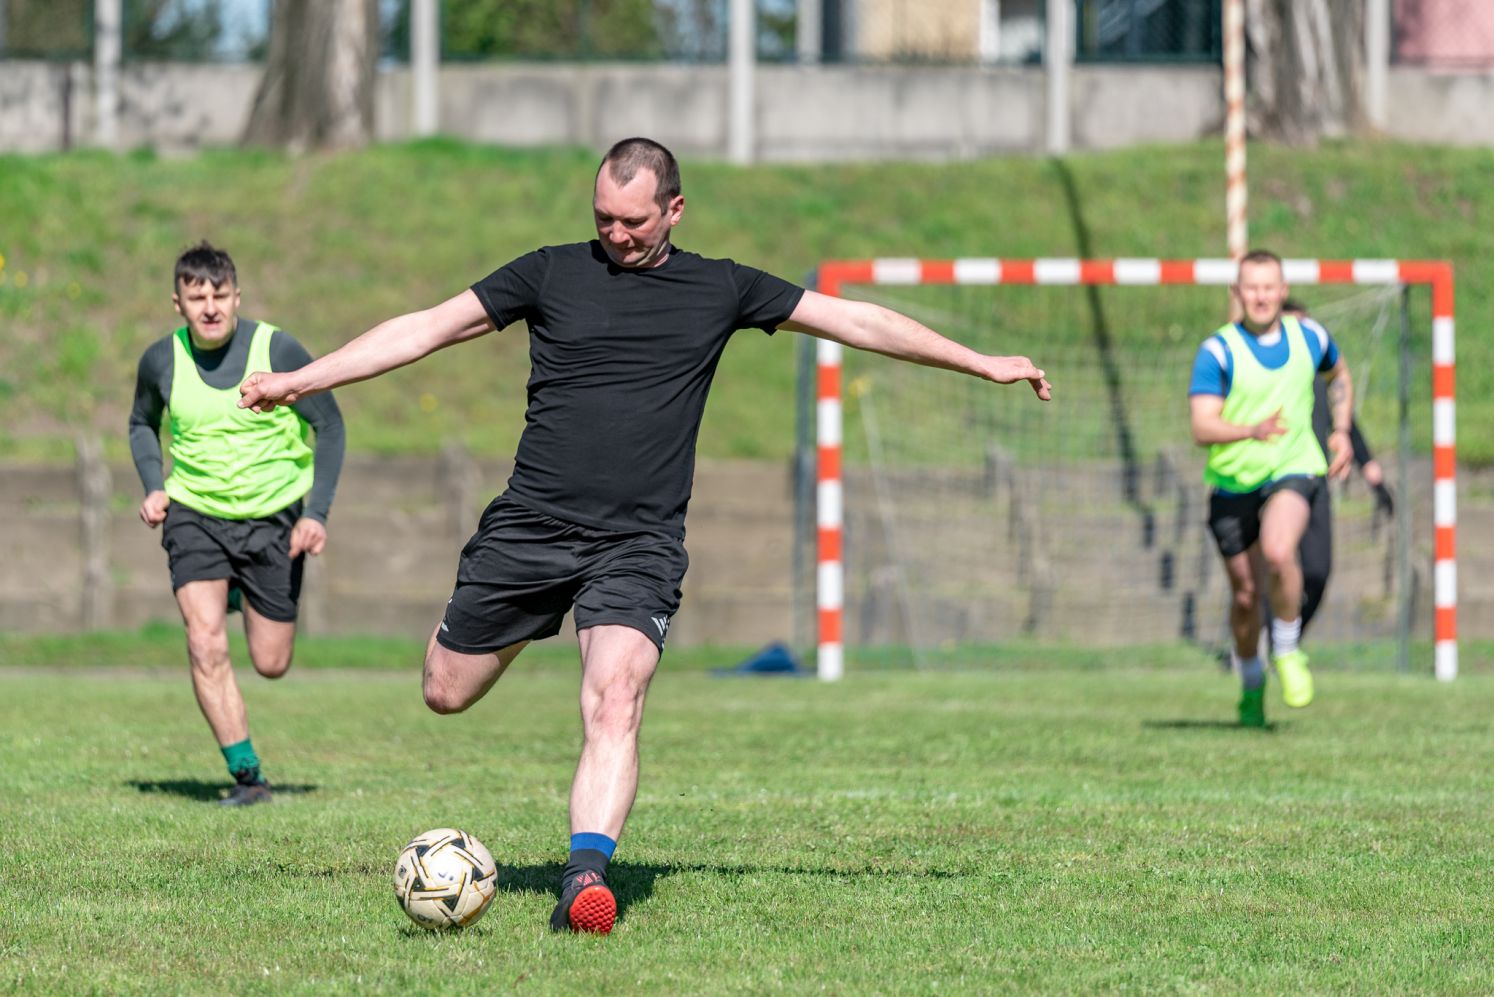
{"x": 1284, "y": 635}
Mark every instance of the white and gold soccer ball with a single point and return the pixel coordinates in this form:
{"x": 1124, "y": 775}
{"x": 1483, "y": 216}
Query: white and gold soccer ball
{"x": 444, "y": 879}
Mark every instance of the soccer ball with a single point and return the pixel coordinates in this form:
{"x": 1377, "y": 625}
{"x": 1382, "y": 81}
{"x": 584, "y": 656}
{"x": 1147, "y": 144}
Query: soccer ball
{"x": 444, "y": 879}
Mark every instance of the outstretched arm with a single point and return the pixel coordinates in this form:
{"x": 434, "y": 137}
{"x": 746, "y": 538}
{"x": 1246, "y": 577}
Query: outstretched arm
{"x": 390, "y": 344}
{"x": 866, "y": 326}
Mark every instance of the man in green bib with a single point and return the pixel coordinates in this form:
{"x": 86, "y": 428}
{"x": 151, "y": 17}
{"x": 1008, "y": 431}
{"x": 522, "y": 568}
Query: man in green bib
{"x": 247, "y": 496}
{"x": 1251, "y": 402}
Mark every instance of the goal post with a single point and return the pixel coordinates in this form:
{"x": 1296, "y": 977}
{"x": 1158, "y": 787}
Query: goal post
{"x": 988, "y": 486}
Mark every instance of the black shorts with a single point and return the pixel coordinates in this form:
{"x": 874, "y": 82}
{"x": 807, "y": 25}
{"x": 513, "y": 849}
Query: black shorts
{"x": 254, "y": 553}
{"x": 1235, "y": 520}
{"x": 523, "y": 570}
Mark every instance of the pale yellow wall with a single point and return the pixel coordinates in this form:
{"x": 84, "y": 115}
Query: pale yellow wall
{"x": 931, "y": 29}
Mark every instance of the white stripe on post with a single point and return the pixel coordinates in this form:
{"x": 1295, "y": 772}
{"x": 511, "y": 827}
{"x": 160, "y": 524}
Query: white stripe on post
{"x": 1138, "y": 271}
{"x": 1377, "y": 272}
{"x": 1445, "y": 503}
{"x": 1446, "y": 660}
{"x": 1300, "y": 271}
{"x": 1444, "y": 422}
{"x": 1055, "y": 271}
{"x": 1442, "y": 340}
{"x": 897, "y": 271}
{"x": 1215, "y": 271}
{"x": 982, "y": 271}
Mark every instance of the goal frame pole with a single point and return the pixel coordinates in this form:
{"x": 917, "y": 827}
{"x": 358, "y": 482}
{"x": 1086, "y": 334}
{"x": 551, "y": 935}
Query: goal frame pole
{"x": 834, "y": 276}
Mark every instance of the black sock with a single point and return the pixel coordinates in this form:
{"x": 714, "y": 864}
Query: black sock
{"x": 583, "y": 860}
{"x": 248, "y": 776}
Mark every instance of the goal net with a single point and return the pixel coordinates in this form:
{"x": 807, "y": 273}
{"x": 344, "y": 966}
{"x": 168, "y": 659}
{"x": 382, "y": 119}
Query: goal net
{"x": 953, "y": 523}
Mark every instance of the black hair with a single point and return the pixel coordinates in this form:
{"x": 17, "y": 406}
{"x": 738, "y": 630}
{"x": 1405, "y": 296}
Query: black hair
{"x": 204, "y": 262}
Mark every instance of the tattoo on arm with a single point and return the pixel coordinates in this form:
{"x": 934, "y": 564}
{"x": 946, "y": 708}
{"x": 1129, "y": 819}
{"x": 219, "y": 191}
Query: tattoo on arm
{"x": 1336, "y": 402}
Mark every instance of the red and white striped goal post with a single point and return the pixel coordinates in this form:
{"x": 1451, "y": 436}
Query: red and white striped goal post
{"x": 832, "y": 277}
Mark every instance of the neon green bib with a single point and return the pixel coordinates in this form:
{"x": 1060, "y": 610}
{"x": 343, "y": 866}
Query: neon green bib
{"x": 231, "y": 462}
{"x": 1254, "y": 394}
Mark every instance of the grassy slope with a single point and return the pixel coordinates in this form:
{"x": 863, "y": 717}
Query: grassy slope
{"x": 328, "y": 245}
{"x": 1061, "y": 831}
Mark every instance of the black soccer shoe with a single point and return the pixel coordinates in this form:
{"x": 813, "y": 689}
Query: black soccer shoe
{"x": 586, "y": 905}
{"x": 247, "y": 794}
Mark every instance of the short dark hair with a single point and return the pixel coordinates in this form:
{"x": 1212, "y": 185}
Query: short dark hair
{"x": 627, "y": 157}
{"x": 1260, "y": 256}
{"x": 204, "y": 262}
{"x": 1294, "y": 305}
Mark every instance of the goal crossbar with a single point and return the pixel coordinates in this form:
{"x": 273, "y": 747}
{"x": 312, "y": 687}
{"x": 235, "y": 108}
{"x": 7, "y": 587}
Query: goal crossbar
{"x": 834, "y": 277}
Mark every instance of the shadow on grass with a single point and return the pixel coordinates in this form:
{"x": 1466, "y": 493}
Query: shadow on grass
{"x": 209, "y": 792}
{"x": 1270, "y": 727}
{"x": 634, "y": 883}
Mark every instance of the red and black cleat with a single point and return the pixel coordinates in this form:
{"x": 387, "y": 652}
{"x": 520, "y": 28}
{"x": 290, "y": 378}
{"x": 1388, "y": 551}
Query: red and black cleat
{"x": 586, "y": 904}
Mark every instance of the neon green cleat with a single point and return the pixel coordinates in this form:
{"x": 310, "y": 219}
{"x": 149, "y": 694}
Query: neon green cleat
{"x": 1296, "y": 680}
{"x": 1253, "y": 707}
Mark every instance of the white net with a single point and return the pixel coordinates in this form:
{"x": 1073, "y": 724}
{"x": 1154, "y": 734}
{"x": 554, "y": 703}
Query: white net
{"x": 976, "y": 517}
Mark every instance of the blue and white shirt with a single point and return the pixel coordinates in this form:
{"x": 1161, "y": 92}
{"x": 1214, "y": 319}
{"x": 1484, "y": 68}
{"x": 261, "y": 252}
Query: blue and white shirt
{"x": 1214, "y": 367}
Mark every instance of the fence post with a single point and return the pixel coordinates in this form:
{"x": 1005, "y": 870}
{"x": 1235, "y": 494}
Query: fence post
{"x": 94, "y": 492}
{"x": 108, "y": 16}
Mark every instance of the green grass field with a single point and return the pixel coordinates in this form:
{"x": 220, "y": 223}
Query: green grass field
{"x": 1053, "y": 825}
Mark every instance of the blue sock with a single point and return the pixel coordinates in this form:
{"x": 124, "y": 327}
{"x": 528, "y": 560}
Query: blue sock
{"x": 1252, "y": 672}
{"x": 590, "y": 853}
{"x": 593, "y": 842}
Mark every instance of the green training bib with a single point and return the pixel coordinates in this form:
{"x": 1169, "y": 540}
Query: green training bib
{"x": 227, "y": 461}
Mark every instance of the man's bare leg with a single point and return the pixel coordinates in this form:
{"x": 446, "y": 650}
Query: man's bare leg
{"x": 454, "y": 681}
{"x": 617, "y": 664}
{"x": 1283, "y": 521}
{"x": 272, "y": 643}
{"x": 204, "y": 608}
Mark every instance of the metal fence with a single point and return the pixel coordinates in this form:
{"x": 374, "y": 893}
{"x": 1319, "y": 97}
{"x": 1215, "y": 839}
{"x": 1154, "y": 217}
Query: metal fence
{"x": 953, "y": 32}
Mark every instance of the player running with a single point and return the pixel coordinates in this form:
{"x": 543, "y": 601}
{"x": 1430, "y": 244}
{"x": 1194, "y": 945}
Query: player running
{"x": 625, "y": 333}
{"x": 246, "y": 497}
{"x": 1251, "y": 399}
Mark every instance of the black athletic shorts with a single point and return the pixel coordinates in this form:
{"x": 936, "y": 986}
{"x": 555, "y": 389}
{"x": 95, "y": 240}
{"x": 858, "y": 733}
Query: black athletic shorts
{"x": 523, "y": 570}
{"x": 1235, "y": 520}
{"x": 255, "y": 553}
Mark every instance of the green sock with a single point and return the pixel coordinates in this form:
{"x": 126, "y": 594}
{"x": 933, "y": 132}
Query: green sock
{"x": 243, "y": 763}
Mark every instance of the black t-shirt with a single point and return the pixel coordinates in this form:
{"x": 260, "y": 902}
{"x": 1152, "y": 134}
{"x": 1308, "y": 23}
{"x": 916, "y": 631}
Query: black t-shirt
{"x": 620, "y": 364}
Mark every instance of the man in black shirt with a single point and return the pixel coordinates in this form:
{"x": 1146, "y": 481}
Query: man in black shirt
{"x": 247, "y": 497}
{"x": 625, "y": 333}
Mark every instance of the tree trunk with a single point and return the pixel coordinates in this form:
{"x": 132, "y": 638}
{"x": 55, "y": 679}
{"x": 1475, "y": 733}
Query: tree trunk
{"x": 317, "y": 91}
{"x": 1305, "y": 64}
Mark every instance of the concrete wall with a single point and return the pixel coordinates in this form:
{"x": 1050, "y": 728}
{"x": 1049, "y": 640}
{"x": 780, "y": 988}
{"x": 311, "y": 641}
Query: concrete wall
{"x": 396, "y": 530}
{"x": 399, "y": 524}
{"x": 803, "y": 112}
